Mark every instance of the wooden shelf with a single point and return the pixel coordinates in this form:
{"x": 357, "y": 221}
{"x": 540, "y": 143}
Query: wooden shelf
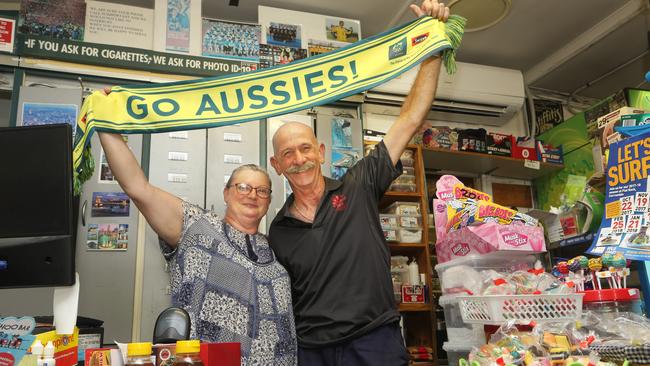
{"x": 414, "y": 307}
{"x": 471, "y": 162}
{"x": 419, "y": 319}
{"x": 406, "y": 245}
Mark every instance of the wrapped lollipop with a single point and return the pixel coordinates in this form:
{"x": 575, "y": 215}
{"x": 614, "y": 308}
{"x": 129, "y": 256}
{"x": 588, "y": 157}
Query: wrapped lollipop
{"x": 584, "y": 268}
{"x": 607, "y": 260}
{"x": 563, "y": 268}
{"x": 595, "y": 265}
{"x": 574, "y": 267}
{"x": 619, "y": 263}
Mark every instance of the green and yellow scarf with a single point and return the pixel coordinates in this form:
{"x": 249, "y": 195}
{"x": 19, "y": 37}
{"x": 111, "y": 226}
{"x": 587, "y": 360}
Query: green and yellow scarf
{"x": 238, "y": 98}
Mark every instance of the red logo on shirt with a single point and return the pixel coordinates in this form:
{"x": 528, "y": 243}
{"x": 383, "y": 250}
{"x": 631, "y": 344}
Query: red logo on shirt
{"x": 338, "y": 202}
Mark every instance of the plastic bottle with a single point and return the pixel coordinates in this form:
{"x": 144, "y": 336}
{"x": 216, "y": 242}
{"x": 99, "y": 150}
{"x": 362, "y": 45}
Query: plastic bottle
{"x": 414, "y": 273}
{"x": 37, "y": 351}
{"x": 188, "y": 353}
{"x": 48, "y": 355}
{"x": 138, "y": 354}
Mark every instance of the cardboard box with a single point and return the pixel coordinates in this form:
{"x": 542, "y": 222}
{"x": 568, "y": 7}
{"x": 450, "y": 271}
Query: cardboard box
{"x": 221, "y": 354}
{"x": 103, "y": 357}
{"x": 472, "y": 140}
{"x": 603, "y": 128}
{"x": 412, "y": 294}
{"x": 490, "y": 237}
{"x": 65, "y": 346}
{"x": 549, "y": 154}
{"x": 635, "y": 119}
{"x": 498, "y": 144}
{"x": 440, "y": 138}
{"x": 524, "y": 148}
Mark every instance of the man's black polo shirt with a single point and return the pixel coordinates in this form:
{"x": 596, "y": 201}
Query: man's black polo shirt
{"x": 340, "y": 264}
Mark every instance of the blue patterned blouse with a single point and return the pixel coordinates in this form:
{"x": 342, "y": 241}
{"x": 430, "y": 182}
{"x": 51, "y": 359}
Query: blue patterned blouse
{"x": 233, "y": 288}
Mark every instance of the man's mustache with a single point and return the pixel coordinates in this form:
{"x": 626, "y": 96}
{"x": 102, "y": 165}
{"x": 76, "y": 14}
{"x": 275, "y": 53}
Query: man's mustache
{"x": 302, "y": 168}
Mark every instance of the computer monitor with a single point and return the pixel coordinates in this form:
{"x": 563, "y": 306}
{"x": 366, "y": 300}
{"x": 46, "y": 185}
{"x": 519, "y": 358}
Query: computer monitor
{"x": 37, "y": 227}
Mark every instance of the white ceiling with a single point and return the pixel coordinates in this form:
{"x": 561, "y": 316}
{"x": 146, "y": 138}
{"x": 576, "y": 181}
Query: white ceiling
{"x": 560, "y": 45}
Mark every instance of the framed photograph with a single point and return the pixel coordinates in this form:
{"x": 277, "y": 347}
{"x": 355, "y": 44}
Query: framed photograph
{"x": 110, "y": 204}
{"x": 341, "y": 30}
{"x": 285, "y": 35}
{"x": 287, "y": 188}
{"x": 276, "y": 55}
{"x": 230, "y": 40}
{"x": 338, "y": 172}
{"x": 316, "y": 47}
{"x": 109, "y": 237}
{"x": 345, "y": 157}
{"x": 178, "y": 25}
{"x": 49, "y": 114}
{"x": 105, "y": 173}
{"x": 341, "y": 132}
{"x": 56, "y": 19}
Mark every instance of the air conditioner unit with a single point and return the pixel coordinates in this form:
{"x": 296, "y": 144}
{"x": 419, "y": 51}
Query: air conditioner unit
{"x": 474, "y": 94}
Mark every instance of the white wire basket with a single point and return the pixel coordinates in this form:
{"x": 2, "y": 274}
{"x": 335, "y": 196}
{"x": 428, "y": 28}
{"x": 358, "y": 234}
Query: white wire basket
{"x": 497, "y": 309}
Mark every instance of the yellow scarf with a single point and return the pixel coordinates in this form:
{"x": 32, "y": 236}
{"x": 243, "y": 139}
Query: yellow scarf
{"x": 225, "y": 100}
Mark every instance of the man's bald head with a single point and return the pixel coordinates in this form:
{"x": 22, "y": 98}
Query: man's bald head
{"x": 289, "y": 129}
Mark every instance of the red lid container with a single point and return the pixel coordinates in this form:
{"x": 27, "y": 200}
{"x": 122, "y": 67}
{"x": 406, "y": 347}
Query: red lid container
{"x": 615, "y": 294}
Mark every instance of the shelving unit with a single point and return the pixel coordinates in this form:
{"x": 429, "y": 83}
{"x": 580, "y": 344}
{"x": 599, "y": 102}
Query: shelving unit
{"x": 419, "y": 319}
{"x": 471, "y": 162}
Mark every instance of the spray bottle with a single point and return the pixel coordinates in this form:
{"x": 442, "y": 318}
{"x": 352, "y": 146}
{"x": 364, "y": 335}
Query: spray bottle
{"x": 37, "y": 351}
{"x": 48, "y": 355}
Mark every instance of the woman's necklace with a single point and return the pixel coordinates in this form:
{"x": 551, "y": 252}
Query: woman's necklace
{"x": 299, "y": 212}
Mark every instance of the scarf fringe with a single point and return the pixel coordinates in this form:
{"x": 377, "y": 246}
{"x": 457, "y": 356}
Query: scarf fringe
{"x": 454, "y": 29}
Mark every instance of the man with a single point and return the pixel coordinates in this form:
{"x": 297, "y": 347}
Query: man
{"x": 340, "y": 32}
{"x": 329, "y": 238}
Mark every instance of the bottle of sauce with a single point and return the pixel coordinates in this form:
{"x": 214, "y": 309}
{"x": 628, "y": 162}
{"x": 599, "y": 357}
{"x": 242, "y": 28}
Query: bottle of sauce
{"x": 188, "y": 353}
{"x": 139, "y": 354}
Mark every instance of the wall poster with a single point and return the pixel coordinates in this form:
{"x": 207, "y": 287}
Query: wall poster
{"x": 624, "y": 228}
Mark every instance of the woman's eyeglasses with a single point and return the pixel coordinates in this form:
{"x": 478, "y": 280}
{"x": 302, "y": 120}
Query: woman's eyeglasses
{"x": 261, "y": 191}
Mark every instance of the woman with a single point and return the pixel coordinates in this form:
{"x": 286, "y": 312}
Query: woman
{"x": 223, "y": 272}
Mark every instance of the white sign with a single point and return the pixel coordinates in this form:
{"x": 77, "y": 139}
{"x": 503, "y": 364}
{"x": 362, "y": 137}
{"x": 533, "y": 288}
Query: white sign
{"x": 7, "y": 34}
{"x": 118, "y": 25}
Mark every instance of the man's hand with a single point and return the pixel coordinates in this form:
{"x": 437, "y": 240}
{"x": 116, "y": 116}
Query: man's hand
{"x": 432, "y": 8}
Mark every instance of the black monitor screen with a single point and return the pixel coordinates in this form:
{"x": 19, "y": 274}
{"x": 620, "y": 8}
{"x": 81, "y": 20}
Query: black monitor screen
{"x": 36, "y": 183}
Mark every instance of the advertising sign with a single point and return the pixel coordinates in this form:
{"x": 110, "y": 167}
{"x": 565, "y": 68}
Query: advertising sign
{"x": 625, "y": 222}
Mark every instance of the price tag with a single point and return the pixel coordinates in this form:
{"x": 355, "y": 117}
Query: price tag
{"x": 618, "y": 225}
{"x": 641, "y": 202}
{"x": 633, "y": 224}
{"x": 627, "y": 205}
{"x": 531, "y": 164}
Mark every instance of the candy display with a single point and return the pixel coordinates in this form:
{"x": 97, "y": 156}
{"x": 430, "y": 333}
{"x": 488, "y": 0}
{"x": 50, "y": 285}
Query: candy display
{"x": 468, "y": 222}
{"x": 581, "y": 270}
{"x": 585, "y": 341}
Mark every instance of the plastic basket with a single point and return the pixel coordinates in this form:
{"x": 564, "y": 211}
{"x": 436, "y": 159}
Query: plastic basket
{"x": 497, "y": 309}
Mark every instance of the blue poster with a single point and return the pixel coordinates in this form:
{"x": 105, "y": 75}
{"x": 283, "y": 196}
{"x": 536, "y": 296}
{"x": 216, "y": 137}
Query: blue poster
{"x": 624, "y": 228}
{"x": 178, "y": 25}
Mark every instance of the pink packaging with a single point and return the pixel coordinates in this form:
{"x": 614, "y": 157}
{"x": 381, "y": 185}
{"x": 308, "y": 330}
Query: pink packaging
{"x": 478, "y": 239}
{"x": 487, "y": 238}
